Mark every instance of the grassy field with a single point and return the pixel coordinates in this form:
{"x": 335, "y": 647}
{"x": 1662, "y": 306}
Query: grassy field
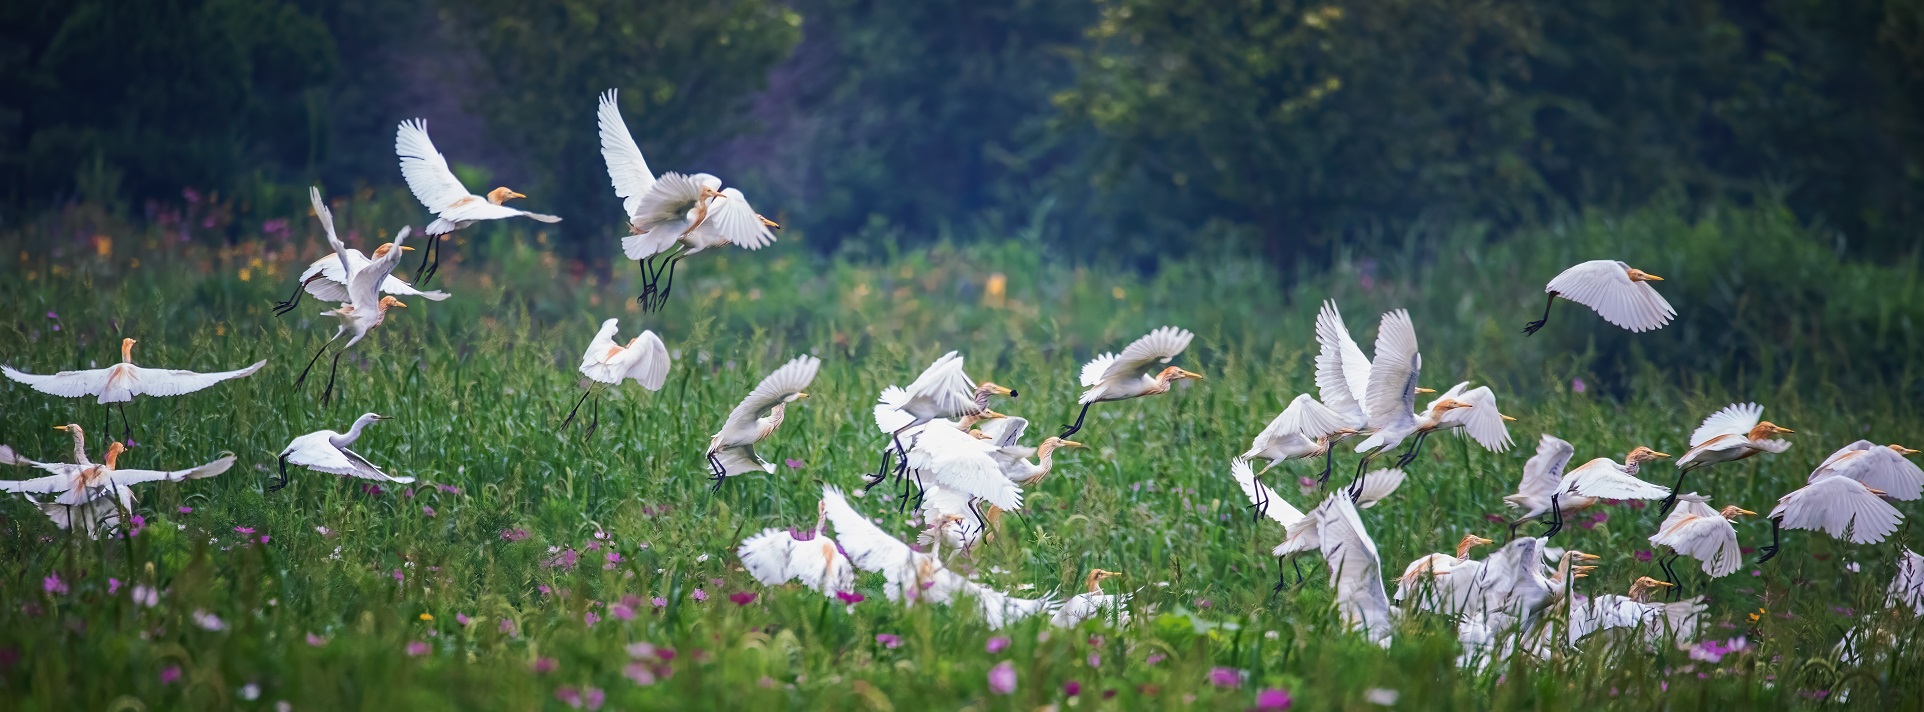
{"x": 528, "y": 562}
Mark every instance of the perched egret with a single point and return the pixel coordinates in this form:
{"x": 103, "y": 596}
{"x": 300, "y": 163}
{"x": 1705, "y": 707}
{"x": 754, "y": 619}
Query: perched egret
{"x": 1619, "y": 293}
{"x": 326, "y": 278}
{"x": 644, "y": 359}
{"x": 427, "y": 175}
{"x": 366, "y": 308}
{"x": 1092, "y": 602}
{"x": 95, "y": 497}
{"x": 1699, "y": 532}
{"x": 327, "y": 451}
{"x": 1355, "y": 571}
{"x": 1423, "y": 573}
{"x": 731, "y": 450}
{"x": 1881, "y": 467}
{"x": 674, "y": 216}
{"x": 942, "y": 391}
{"x": 1342, "y": 379}
{"x": 1113, "y": 377}
{"x": 123, "y": 381}
{"x": 777, "y": 556}
{"x": 1728, "y": 435}
{"x": 1547, "y": 490}
{"x": 1842, "y": 507}
{"x": 1391, "y": 396}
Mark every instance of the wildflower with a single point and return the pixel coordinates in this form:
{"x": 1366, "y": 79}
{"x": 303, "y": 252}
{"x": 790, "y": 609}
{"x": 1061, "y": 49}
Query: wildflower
{"x": 639, "y": 673}
{"x": 250, "y": 692}
{"x": 659, "y": 602}
{"x": 113, "y": 586}
{"x": 372, "y": 490}
{"x": 1154, "y": 658}
{"x": 1758, "y": 615}
{"x": 506, "y": 627}
{"x": 998, "y": 644}
{"x": 207, "y": 620}
{"x": 427, "y": 511}
{"x": 1276, "y": 699}
{"x": 427, "y": 616}
{"x": 146, "y": 595}
{"x": 888, "y": 640}
{"x": 641, "y": 650}
{"x": 417, "y": 648}
{"x": 850, "y": 597}
{"x": 315, "y": 640}
{"x": 52, "y": 584}
{"x": 593, "y": 697}
{"x": 514, "y": 534}
{"x": 1002, "y": 678}
{"x": 613, "y": 559}
{"x": 1225, "y": 677}
{"x": 1853, "y": 567}
{"x": 1203, "y": 603}
{"x": 1578, "y": 386}
{"x": 1496, "y": 518}
{"x": 1094, "y": 660}
{"x": 793, "y": 463}
{"x": 169, "y": 674}
{"x": 742, "y": 598}
{"x": 622, "y": 611}
{"x": 462, "y": 619}
{"x": 591, "y": 618}
{"x": 568, "y": 696}
{"x": 701, "y": 595}
{"x": 244, "y": 530}
{"x": 1071, "y": 688}
{"x": 183, "y": 509}
{"x": 139, "y": 523}
{"x": 703, "y": 559}
{"x": 1592, "y": 522}
{"x": 544, "y": 665}
{"x": 1387, "y": 698}
{"x": 1645, "y": 555}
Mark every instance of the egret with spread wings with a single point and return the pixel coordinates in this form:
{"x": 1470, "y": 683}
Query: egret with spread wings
{"x": 121, "y": 382}
{"x": 731, "y": 451}
{"x": 1619, "y": 293}
{"x": 644, "y": 359}
{"x": 327, "y": 451}
{"x": 433, "y": 183}
{"x": 366, "y": 308}
{"x": 93, "y": 497}
{"x": 1114, "y": 377}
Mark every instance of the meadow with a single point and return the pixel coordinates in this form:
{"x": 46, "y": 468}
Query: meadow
{"x": 536, "y": 567}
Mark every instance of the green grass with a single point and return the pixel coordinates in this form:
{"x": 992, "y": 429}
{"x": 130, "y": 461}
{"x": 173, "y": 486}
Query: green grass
{"x": 479, "y": 383}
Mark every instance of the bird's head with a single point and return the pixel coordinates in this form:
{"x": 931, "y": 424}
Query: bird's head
{"x": 1766, "y": 429}
{"x": 68, "y": 428}
{"x": 113, "y": 453}
{"x": 1446, "y": 405}
{"x": 1174, "y": 373}
{"x": 993, "y": 389}
{"x": 390, "y": 301}
{"x": 708, "y": 191}
{"x": 1643, "y": 454}
{"x": 127, "y": 350}
{"x": 1471, "y": 541}
{"x": 388, "y": 247}
{"x": 374, "y": 417}
{"x": 1732, "y": 512}
{"x": 1637, "y": 275}
{"x": 502, "y": 195}
{"x": 1901, "y": 450}
{"x": 1641, "y": 588}
{"x": 1097, "y": 576}
{"x": 1050, "y": 445}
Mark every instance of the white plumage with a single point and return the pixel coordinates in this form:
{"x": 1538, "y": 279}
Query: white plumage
{"x": 327, "y": 451}
{"x": 1696, "y": 530}
{"x": 93, "y": 497}
{"x": 123, "y": 381}
{"x": 1615, "y": 291}
{"x": 914, "y": 576}
{"x": 1478, "y": 418}
{"x": 757, "y": 417}
{"x": 644, "y": 358}
{"x": 777, "y": 556}
{"x": 433, "y": 183}
{"x": 1879, "y": 467}
{"x": 1356, "y": 572}
{"x": 1844, "y": 508}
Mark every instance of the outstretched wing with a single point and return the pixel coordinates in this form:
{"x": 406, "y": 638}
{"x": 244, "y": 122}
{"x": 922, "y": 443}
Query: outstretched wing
{"x": 1605, "y": 286}
{"x": 1005, "y": 432}
{"x": 666, "y": 202}
{"x": 1342, "y": 371}
{"x": 1711, "y": 540}
{"x": 868, "y": 547}
{"x": 1392, "y": 385}
{"x": 364, "y": 286}
{"x": 1481, "y": 420}
{"x": 134, "y": 477}
{"x": 600, "y": 348}
{"x": 1734, "y": 419}
{"x": 1604, "y": 479}
{"x": 765, "y": 555}
{"x": 1356, "y": 572}
{"x": 1159, "y": 346}
{"x": 958, "y": 461}
{"x": 734, "y": 220}
{"x": 1544, "y": 471}
{"x": 786, "y": 381}
{"x": 1261, "y": 496}
{"x": 426, "y": 171}
{"x": 945, "y": 385}
{"x": 162, "y": 382}
{"x": 626, "y": 168}
{"x": 1878, "y": 467}
{"x": 888, "y": 414}
{"x": 1304, "y": 417}
{"x": 326, "y": 217}
{"x": 649, "y": 361}
{"x": 68, "y": 384}
{"x": 1841, "y": 507}
{"x": 1377, "y": 485}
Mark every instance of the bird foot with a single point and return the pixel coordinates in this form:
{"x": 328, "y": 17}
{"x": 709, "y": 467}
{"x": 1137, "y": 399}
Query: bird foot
{"x": 1531, "y": 328}
{"x": 1769, "y": 552}
{"x": 278, "y": 485}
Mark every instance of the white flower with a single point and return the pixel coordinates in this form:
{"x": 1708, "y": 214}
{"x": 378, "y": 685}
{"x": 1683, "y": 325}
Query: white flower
{"x": 283, "y": 706}
{"x": 1380, "y": 696}
{"x": 146, "y": 596}
{"x": 250, "y": 692}
{"x": 1852, "y": 567}
{"x": 701, "y": 559}
{"x": 1271, "y": 635}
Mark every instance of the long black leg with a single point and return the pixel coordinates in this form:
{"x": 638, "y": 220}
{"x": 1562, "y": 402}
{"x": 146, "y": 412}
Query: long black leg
{"x": 596, "y": 423}
{"x": 1362, "y": 473}
{"x": 276, "y": 487}
{"x": 1776, "y": 538}
{"x": 1671, "y": 501}
{"x": 1297, "y": 564}
{"x": 667, "y": 288}
{"x": 647, "y": 279}
{"x": 981, "y": 523}
{"x": 577, "y": 408}
{"x": 126, "y": 428}
{"x": 283, "y": 307}
{"x": 434, "y": 265}
{"x": 310, "y": 363}
{"x": 1069, "y": 430}
{"x": 1532, "y": 327}
{"x": 1329, "y": 463}
{"x": 1556, "y": 518}
{"x": 328, "y": 392}
{"x": 1410, "y": 455}
{"x": 1282, "y": 578}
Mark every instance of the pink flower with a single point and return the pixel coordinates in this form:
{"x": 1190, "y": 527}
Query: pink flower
{"x": 1645, "y": 555}
{"x": 506, "y": 627}
{"x": 888, "y": 640}
{"x": 315, "y": 640}
{"x": 1071, "y": 688}
{"x": 742, "y": 598}
{"x": 998, "y": 644}
{"x": 544, "y": 665}
{"x": 1592, "y": 522}
{"x": 169, "y": 674}
{"x": 591, "y": 618}
{"x": 1577, "y": 385}
{"x": 792, "y": 463}
{"x": 514, "y": 534}
{"x": 186, "y": 510}
{"x": 427, "y": 510}
{"x": 1272, "y": 699}
{"x": 1225, "y": 677}
{"x": 850, "y": 597}
{"x": 244, "y": 530}
{"x": 701, "y": 595}
{"x": 52, "y": 584}
{"x": 568, "y": 696}
{"x": 639, "y": 674}
{"x": 1094, "y": 660}
{"x": 622, "y": 611}
{"x": 1203, "y": 603}
{"x": 1002, "y": 678}
{"x": 417, "y": 648}
{"x": 658, "y": 602}
{"x": 113, "y": 586}
{"x": 146, "y": 595}
{"x": 462, "y": 618}
{"x": 1154, "y": 658}
{"x": 614, "y": 560}
{"x": 593, "y": 697}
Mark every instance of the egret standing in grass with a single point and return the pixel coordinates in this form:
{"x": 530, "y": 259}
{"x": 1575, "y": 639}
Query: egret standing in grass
{"x": 433, "y": 183}
{"x": 94, "y": 497}
{"x": 1619, "y": 293}
{"x": 731, "y": 451}
{"x": 1112, "y": 377}
{"x": 1734, "y": 433}
{"x": 327, "y": 451}
{"x": 644, "y": 359}
{"x": 675, "y": 216}
{"x": 366, "y": 307}
{"x": 121, "y": 382}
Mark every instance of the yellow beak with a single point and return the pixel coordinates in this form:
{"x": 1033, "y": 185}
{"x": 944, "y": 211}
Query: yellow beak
{"x": 1072, "y": 443}
{"x": 1508, "y": 418}
{"x": 1741, "y": 510}
{"x": 405, "y": 248}
{"x": 1654, "y": 453}
{"x": 1651, "y": 277}
{"x": 1665, "y": 584}
{"x": 1421, "y": 390}
{"x": 1782, "y": 429}
{"x": 800, "y": 395}
{"x": 1193, "y": 374}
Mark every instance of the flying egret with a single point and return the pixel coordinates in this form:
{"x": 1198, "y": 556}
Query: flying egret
{"x": 1005, "y": 435}
{"x": 1842, "y": 507}
{"x": 942, "y": 391}
{"x": 326, "y": 278}
{"x": 1092, "y": 602}
{"x": 366, "y": 307}
{"x": 1301, "y": 532}
{"x": 1619, "y": 293}
{"x": 1907, "y": 588}
{"x": 731, "y": 450}
{"x": 1355, "y": 571}
{"x": 1391, "y": 396}
{"x": 123, "y": 381}
{"x": 683, "y": 213}
{"x": 1304, "y": 430}
{"x": 1342, "y": 378}
{"x": 1702, "y": 533}
{"x": 957, "y": 461}
{"x": 327, "y": 451}
{"x": 1112, "y": 377}
{"x": 644, "y": 359}
{"x": 1728, "y": 435}
{"x": 95, "y": 497}
{"x": 777, "y": 556}
{"x": 914, "y": 576}
{"x": 1425, "y": 572}
{"x": 1478, "y": 418}
{"x": 427, "y": 175}
{"x": 1881, "y": 467}
{"x": 1547, "y": 490}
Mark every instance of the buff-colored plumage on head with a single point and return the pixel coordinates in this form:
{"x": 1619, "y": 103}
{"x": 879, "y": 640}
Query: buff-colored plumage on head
{"x": 1732, "y": 512}
{"x": 502, "y": 195}
{"x": 1766, "y": 429}
{"x": 1643, "y": 454}
{"x": 1637, "y": 275}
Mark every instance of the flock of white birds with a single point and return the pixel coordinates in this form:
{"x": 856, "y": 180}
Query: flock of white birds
{"x": 961, "y": 464}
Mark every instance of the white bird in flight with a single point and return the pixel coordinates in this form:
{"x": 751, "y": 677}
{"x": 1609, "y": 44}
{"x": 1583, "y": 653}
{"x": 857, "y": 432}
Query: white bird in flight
{"x": 1423, "y": 580}
{"x": 123, "y": 381}
{"x": 326, "y": 278}
{"x": 941, "y": 391}
{"x": 327, "y": 451}
{"x": 1619, "y": 293}
{"x": 1842, "y": 507}
{"x": 1702, "y": 533}
{"x": 1301, "y": 532}
{"x": 1881, "y": 467}
{"x": 94, "y": 497}
{"x": 1355, "y": 571}
{"x": 731, "y": 451}
{"x": 777, "y": 556}
{"x": 683, "y": 213}
{"x": 644, "y": 359}
{"x": 433, "y": 183}
{"x": 1734, "y": 433}
{"x": 1391, "y": 396}
{"x": 1342, "y": 380}
{"x": 1546, "y": 489}
{"x": 366, "y": 307}
{"x": 1114, "y": 377}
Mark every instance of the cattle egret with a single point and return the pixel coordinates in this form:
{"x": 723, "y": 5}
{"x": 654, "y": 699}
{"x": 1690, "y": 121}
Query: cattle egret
{"x": 777, "y": 556}
{"x": 326, "y": 278}
{"x": 1342, "y": 378}
{"x": 94, "y": 497}
{"x": 123, "y": 381}
{"x": 1728, "y": 435}
{"x": 433, "y": 183}
{"x": 942, "y": 391}
{"x": 731, "y": 450}
{"x": 644, "y": 359}
{"x": 1355, "y": 571}
{"x": 1702, "y": 533}
{"x": 1422, "y": 573}
{"x": 1092, "y": 602}
{"x": 327, "y": 451}
{"x": 1304, "y": 430}
{"x": 1547, "y": 490}
{"x": 1619, "y": 293}
{"x": 1113, "y": 377}
{"x": 1391, "y": 396}
{"x": 1842, "y": 507}
{"x": 366, "y": 308}
{"x": 913, "y": 576}
{"x": 1881, "y": 467}
{"x": 1652, "y": 623}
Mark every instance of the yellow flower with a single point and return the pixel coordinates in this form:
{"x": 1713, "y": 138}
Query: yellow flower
{"x": 1117, "y": 292}
{"x": 245, "y": 274}
{"x": 427, "y": 616}
{"x": 103, "y": 245}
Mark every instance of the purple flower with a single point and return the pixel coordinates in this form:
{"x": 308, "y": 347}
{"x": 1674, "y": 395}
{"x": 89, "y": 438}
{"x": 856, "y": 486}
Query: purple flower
{"x": 244, "y": 530}
{"x": 146, "y": 595}
{"x": 1154, "y": 658}
{"x": 514, "y": 534}
{"x": 593, "y": 697}
{"x": 639, "y": 673}
{"x": 998, "y": 644}
{"x": 614, "y": 560}
{"x": 888, "y": 640}
{"x": 1094, "y": 660}
{"x": 544, "y": 665}
{"x": 1225, "y": 677}
{"x": 622, "y": 611}
{"x": 52, "y": 584}
{"x": 568, "y": 696}
{"x": 1577, "y": 385}
{"x": 850, "y": 597}
{"x": 1644, "y": 555}
{"x": 792, "y": 463}
{"x": 591, "y": 618}
{"x": 1592, "y": 522}
{"x": 427, "y": 510}
{"x": 186, "y": 510}
{"x": 417, "y": 648}
{"x": 742, "y": 598}
{"x": 1002, "y": 678}
{"x": 113, "y": 586}
{"x": 506, "y": 627}
{"x": 1273, "y": 699}
{"x": 169, "y": 674}
{"x": 315, "y": 640}
{"x": 701, "y": 595}
{"x": 462, "y": 618}
{"x": 1203, "y": 603}
{"x": 1071, "y": 688}
{"x": 53, "y": 316}
{"x": 659, "y": 602}
{"x": 207, "y": 620}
